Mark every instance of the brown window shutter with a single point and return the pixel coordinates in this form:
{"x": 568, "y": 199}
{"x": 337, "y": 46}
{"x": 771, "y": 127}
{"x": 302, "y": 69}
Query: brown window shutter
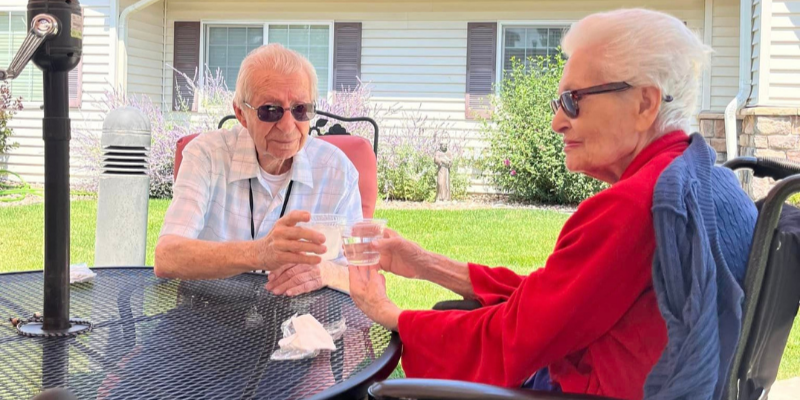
{"x": 346, "y": 55}
{"x": 481, "y": 67}
{"x": 75, "y": 85}
{"x": 186, "y": 59}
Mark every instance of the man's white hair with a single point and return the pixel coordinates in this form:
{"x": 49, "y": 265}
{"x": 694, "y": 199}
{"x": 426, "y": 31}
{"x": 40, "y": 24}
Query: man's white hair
{"x": 277, "y": 60}
{"x": 647, "y": 48}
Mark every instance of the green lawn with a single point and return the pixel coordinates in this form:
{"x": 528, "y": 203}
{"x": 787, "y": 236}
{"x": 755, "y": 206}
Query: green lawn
{"x": 519, "y": 239}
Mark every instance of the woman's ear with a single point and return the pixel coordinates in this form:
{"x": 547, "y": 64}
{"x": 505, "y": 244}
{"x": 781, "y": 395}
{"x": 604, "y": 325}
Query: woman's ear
{"x": 649, "y": 105}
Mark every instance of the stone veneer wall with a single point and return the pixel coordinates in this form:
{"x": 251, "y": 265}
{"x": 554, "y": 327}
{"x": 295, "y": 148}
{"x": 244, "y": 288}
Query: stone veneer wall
{"x": 763, "y": 132}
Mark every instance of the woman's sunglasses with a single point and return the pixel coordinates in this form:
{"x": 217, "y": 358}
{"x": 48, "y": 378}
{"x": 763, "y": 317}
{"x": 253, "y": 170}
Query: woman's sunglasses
{"x": 271, "y": 113}
{"x": 568, "y": 101}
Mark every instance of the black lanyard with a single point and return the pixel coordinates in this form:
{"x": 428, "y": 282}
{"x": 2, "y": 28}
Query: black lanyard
{"x": 283, "y": 210}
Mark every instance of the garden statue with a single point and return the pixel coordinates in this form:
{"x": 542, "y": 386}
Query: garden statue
{"x": 443, "y": 161}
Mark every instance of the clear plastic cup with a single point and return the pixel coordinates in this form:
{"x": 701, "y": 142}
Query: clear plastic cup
{"x": 356, "y": 239}
{"x": 330, "y": 225}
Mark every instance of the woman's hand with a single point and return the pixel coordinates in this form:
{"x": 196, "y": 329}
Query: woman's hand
{"x": 368, "y": 290}
{"x": 402, "y": 257}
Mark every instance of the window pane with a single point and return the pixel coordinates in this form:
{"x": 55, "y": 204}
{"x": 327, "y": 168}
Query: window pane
{"x": 299, "y": 35}
{"x": 515, "y": 37}
{"x": 218, "y": 36}
{"x": 13, "y": 29}
{"x": 228, "y": 46}
{"x": 312, "y": 41}
{"x": 530, "y": 42}
{"x": 255, "y": 37}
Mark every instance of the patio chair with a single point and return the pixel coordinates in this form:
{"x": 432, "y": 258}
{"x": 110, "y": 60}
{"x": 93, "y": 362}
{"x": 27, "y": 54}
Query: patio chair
{"x": 356, "y": 148}
{"x": 772, "y": 295}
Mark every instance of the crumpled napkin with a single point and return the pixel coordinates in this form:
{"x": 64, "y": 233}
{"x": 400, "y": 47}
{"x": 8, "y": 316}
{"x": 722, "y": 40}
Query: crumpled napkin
{"x": 304, "y": 337}
{"x": 80, "y": 273}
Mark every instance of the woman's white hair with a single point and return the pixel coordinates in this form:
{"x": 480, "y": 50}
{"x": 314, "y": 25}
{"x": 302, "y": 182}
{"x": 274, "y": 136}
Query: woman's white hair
{"x": 277, "y": 60}
{"x": 647, "y": 48}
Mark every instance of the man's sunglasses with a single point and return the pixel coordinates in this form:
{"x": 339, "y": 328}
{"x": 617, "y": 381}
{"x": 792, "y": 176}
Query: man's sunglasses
{"x": 272, "y": 113}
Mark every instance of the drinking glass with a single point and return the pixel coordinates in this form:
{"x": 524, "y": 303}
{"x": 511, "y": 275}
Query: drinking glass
{"x": 330, "y": 225}
{"x": 356, "y": 239}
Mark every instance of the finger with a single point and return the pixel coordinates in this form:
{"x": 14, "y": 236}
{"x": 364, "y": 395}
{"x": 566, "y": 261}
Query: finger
{"x": 294, "y": 217}
{"x": 390, "y": 233}
{"x": 297, "y": 280}
{"x": 386, "y": 244}
{"x": 291, "y": 246}
{"x": 309, "y": 286}
{"x": 283, "y": 274}
{"x": 298, "y": 258}
{"x": 299, "y": 233}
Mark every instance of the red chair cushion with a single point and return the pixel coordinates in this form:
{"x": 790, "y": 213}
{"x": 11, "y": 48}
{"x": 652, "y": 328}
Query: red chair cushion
{"x": 182, "y": 142}
{"x": 357, "y": 149}
{"x": 360, "y": 153}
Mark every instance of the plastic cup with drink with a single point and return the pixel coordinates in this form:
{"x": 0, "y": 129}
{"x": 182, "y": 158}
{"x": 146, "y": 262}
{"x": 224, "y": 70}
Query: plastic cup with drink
{"x": 357, "y": 239}
{"x": 330, "y": 225}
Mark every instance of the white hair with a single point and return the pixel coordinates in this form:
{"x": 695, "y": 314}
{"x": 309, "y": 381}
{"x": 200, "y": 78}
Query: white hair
{"x": 276, "y": 59}
{"x": 647, "y": 48}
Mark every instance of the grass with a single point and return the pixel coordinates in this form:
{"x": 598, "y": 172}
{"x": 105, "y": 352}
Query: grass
{"x": 518, "y": 239}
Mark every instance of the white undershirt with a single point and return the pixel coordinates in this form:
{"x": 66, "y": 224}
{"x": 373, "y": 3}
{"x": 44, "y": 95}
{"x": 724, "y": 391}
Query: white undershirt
{"x": 273, "y": 183}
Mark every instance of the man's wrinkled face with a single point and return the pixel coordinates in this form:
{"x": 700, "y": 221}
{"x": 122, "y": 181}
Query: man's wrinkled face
{"x": 282, "y": 139}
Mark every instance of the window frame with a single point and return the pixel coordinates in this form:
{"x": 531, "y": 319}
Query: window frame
{"x": 206, "y": 24}
{"x": 535, "y": 24}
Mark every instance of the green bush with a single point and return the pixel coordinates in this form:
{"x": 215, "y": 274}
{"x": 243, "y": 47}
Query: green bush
{"x": 795, "y": 200}
{"x": 526, "y": 158}
{"x": 410, "y": 174}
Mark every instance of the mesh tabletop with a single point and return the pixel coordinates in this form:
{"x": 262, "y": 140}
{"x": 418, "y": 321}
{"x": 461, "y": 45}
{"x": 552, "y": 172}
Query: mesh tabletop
{"x": 170, "y": 339}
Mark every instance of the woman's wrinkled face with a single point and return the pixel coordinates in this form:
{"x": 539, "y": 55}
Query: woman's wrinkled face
{"x": 279, "y": 140}
{"x": 603, "y": 140}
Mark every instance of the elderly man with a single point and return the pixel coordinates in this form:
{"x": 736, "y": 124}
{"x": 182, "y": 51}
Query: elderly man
{"x": 589, "y": 321}
{"x": 241, "y": 192}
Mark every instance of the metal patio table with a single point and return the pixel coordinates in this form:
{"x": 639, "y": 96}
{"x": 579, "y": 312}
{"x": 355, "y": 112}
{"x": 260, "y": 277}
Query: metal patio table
{"x": 157, "y": 338}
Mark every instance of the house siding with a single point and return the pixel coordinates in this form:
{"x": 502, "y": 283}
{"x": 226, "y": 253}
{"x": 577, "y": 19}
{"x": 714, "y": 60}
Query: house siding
{"x": 725, "y": 59}
{"x": 784, "y": 53}
{"x": 416, "y": 61}
{"x": 98, "y": 62}
{"x": 146, "y": 51}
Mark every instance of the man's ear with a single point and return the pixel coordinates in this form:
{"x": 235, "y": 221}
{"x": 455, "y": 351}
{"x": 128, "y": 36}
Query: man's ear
{"x": 239, "y": 114}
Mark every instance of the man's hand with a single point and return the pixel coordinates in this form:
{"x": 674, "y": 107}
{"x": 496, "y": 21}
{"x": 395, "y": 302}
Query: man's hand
{"x": 368, "y": 291}
{"x": 294, "y": 279}
{"x": 289, "y": 244}
{"x": 400, "y": 256}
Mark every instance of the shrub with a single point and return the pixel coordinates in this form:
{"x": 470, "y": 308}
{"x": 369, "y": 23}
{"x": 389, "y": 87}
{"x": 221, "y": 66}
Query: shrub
{"x": 166, "y": 127}
{"x": 405, "y": 158}
{"x": 526, "y": 158}
{"x": 406, "y": 170}
{"x": 9, "y": 107}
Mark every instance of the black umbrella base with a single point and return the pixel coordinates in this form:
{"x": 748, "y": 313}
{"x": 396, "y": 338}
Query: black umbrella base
{"x": 36, "y": 329}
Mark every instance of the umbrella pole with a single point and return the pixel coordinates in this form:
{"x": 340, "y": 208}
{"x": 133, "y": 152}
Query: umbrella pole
{"x": 54, "y": 43}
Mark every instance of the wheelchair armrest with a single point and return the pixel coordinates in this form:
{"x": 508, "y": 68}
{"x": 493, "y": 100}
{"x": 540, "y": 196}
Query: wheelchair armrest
{"x": 437, "y": 389}
{"x": 466, "y": 305}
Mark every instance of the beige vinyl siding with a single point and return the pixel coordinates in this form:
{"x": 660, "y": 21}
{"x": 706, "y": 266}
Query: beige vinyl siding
{"x": 784, "y": 53}
{"x": 28, "y": 159}
{"x": 416, "y": 60}
{"x": 756, "y": 52}
{"x": 725, "y": 60}
{"x": 146, "y": 50}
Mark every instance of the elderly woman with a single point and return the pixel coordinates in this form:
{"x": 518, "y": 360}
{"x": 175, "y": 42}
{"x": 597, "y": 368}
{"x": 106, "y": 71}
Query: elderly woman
{"x": 590, "y": 318}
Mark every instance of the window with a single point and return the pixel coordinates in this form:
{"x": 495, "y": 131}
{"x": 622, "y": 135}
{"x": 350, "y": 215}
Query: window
{"x": 227, "y": 46}
{"x": 13, "y": 29}
{"x": 312, "y": 41}
{"x": 522, "y": 42}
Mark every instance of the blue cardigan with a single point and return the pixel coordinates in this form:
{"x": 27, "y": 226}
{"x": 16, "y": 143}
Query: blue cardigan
{"x": 704, "y": 226}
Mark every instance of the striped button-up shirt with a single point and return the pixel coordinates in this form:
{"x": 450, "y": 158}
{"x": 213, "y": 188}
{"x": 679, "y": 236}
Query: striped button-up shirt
{"x": 211, "y": 193}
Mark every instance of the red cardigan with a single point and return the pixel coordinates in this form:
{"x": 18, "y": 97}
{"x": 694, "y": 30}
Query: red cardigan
{"x": 590, "y": 314}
